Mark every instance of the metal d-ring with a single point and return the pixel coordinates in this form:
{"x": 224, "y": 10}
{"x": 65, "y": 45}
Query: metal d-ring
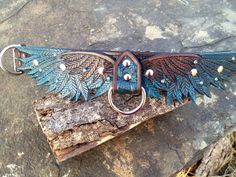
{"x": 13, "y": 47}
{"x": 127, "y": 112}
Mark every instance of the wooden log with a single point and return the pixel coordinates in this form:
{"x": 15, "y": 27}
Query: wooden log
{"x": 212, "y": 160}
{"x": 217, "y": 156}
{"x": 72, "y": 127}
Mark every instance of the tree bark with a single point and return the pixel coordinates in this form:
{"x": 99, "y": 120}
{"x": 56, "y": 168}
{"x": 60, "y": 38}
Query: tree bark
{"x": 216, "y": 156}
{"x": 73, "y": 127}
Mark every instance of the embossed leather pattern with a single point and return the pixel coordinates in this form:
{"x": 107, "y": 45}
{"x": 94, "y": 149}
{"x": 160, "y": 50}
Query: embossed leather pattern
{"x": 76, "y": 74}
{"x": 133, "y": 70}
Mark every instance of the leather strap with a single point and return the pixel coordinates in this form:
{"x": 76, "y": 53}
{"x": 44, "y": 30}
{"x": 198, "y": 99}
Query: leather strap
{"x": 120, "y": 84}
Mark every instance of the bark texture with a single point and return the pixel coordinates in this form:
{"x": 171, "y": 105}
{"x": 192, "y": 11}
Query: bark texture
{"x": 75, "y": 127}
{"x": 216, "y": 156}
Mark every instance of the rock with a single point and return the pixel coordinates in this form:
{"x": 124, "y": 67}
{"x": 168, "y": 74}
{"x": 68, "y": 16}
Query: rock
{"x": 11, "y": 8}
{"x": 158, "y": 147}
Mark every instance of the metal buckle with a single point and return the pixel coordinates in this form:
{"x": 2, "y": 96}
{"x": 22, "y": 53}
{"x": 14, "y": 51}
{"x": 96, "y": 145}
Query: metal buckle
{"x": 13, "y": 47}
{"x": 127, "y": 112}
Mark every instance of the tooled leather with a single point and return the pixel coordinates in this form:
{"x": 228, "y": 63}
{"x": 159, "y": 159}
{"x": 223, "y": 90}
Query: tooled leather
{"x": 120, "y": 85}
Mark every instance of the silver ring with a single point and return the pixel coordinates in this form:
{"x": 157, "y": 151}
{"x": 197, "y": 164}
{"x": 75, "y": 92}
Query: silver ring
{"x": 13, "y": 47}
{"x": 127, "y": 112}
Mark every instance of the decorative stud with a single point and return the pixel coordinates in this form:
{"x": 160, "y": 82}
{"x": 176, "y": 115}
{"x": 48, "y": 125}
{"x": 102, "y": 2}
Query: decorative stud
{"x": 233, "y": 58}
{"x": 220, "y": 69}
{"x": 101, "y": 70}
{"x": 201, "y": 82}
{"x": 216, "y": 79}
{"x": 194, "y": 72}
{"x": 127, "y": 77}
{"x": 163, "y": 81}
{"x": 126, "y": 63}
{"x": 35, "y": 62}
{"x": 62, "y": 67}
{"x": 149, "y": 73}
{"x": 195, "y": 62}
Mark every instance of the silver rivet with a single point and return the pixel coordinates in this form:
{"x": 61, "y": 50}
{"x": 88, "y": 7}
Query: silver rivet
{"x": 149, "y": 72}
{"x": 127, "y": 77}
{"x": 35, "y": 62}
{"x": 101, "y": 70}
{"x": 194, "y": 72}
{"x": 220, "y": 69}
{"x": 216, "y": 79}
{"x": 195, "y": 62}
{"x": 126, "y": 63}
{"x": 62, "y": 67}
{"x": 233, "y": 58}
{"x": 163, "y": 81}
{"x": 201, "y": 82}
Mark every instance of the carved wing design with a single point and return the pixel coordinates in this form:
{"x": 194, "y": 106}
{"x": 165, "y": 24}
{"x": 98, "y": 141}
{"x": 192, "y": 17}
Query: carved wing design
{"x": 184, "y": 75}
{"x": 71, "y": 74}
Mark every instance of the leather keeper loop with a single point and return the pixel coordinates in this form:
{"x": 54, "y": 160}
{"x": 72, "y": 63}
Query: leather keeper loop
{"x": 127, "y": 74}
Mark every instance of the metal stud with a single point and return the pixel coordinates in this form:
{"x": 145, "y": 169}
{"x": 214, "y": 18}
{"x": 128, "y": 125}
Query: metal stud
{"x": 101, "y": 70}
{"x": 149, "y": 73}
{"x": 127, "y": 77}
{"x": 194, "y": 72}
{"x": 216, "y": 79}
{"x": 126, "y": 63}
{"x": 195, "y": 62}
{"x": 163, "y": 81}
{"x": 35, "y": 62}
{"x": 62, "y": 67}
{"x": 220, "y": 69}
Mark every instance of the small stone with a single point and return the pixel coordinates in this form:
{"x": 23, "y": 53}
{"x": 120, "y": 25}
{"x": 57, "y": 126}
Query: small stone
{"x": 149, "y": 73}
{"x": 201, "y": 82}
{"x": 127, "y": 77}
{"x": 220, "y": 69}
{"x": 194, "y": 72}
{"x": 62, "y": 67}
{"x": 35, "y": 62}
